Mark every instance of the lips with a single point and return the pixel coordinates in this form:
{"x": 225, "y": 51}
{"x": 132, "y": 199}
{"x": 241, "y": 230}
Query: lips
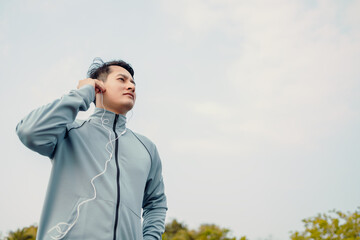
{"x": 130, "y": 94}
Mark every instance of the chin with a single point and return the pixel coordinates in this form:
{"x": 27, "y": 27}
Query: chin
{"x": 128, "y": 105}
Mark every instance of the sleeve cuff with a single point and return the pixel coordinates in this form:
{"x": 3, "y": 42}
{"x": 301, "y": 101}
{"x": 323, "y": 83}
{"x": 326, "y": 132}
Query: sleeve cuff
{"x": 87, "y": 92}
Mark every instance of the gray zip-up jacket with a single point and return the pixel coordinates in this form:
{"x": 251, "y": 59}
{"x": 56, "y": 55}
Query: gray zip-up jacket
{"x": 109, "y": 207}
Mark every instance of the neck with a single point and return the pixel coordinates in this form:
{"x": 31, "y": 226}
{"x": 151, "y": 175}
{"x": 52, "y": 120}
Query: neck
{"x": 116, "y": 111}
{"x": 100, "y": 104}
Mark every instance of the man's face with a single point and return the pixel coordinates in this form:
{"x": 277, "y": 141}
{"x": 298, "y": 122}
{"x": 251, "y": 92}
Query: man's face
{"x": 120, "y": 93}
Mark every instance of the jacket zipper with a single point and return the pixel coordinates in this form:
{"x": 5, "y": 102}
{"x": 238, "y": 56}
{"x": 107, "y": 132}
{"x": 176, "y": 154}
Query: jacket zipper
{"x": 117, "y": 176}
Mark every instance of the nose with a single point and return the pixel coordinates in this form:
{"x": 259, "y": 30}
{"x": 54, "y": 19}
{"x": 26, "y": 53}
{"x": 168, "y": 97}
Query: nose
{"x": 131, "y": 86}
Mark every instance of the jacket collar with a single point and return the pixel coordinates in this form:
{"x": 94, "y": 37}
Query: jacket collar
{"x": 108, "y": 118}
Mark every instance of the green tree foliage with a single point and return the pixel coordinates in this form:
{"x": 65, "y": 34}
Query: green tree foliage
{"x": 178, "y": 231}
{"x": 28, "y": 233}
{"x": 333, "y": 226}
{"x": 212, "y": 232}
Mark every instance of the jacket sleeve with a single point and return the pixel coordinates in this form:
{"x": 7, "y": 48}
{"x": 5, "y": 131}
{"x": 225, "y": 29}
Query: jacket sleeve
{"x": 45, "y": 126}
{"x": 154, "y": 203}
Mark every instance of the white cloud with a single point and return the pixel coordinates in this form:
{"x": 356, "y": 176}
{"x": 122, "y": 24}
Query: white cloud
{"x": 292, "y": 80}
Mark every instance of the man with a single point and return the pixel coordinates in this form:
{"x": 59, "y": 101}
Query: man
{"x": 103, "y": 174}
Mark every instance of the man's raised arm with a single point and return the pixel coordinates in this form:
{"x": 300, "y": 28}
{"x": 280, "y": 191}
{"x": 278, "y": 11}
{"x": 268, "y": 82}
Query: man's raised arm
{"x": 42, "y": 128}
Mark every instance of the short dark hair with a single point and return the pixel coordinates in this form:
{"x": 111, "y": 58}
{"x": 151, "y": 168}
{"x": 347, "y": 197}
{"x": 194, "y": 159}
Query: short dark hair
{"x": 100, "y": 69}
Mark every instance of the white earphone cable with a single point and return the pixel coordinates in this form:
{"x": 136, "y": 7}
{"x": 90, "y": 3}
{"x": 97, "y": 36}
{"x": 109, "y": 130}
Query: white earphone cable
{"x": 67, "y": 227}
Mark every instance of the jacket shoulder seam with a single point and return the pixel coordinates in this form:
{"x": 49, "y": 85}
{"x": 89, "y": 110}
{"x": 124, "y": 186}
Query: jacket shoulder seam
{"x": 71, "y": 128}
{"x": 142, "y": 144}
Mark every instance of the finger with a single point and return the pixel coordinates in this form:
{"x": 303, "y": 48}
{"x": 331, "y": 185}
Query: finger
{"x": 98, "y": 89}
{"x": 100, "y": 85}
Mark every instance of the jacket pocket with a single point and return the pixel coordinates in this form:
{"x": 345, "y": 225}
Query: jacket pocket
{"x": 95, "y": 221}
{"x": 130, "y": 226}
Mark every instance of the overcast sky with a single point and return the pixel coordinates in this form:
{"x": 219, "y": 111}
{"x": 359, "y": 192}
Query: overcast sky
{"x": 253, "y": 105}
